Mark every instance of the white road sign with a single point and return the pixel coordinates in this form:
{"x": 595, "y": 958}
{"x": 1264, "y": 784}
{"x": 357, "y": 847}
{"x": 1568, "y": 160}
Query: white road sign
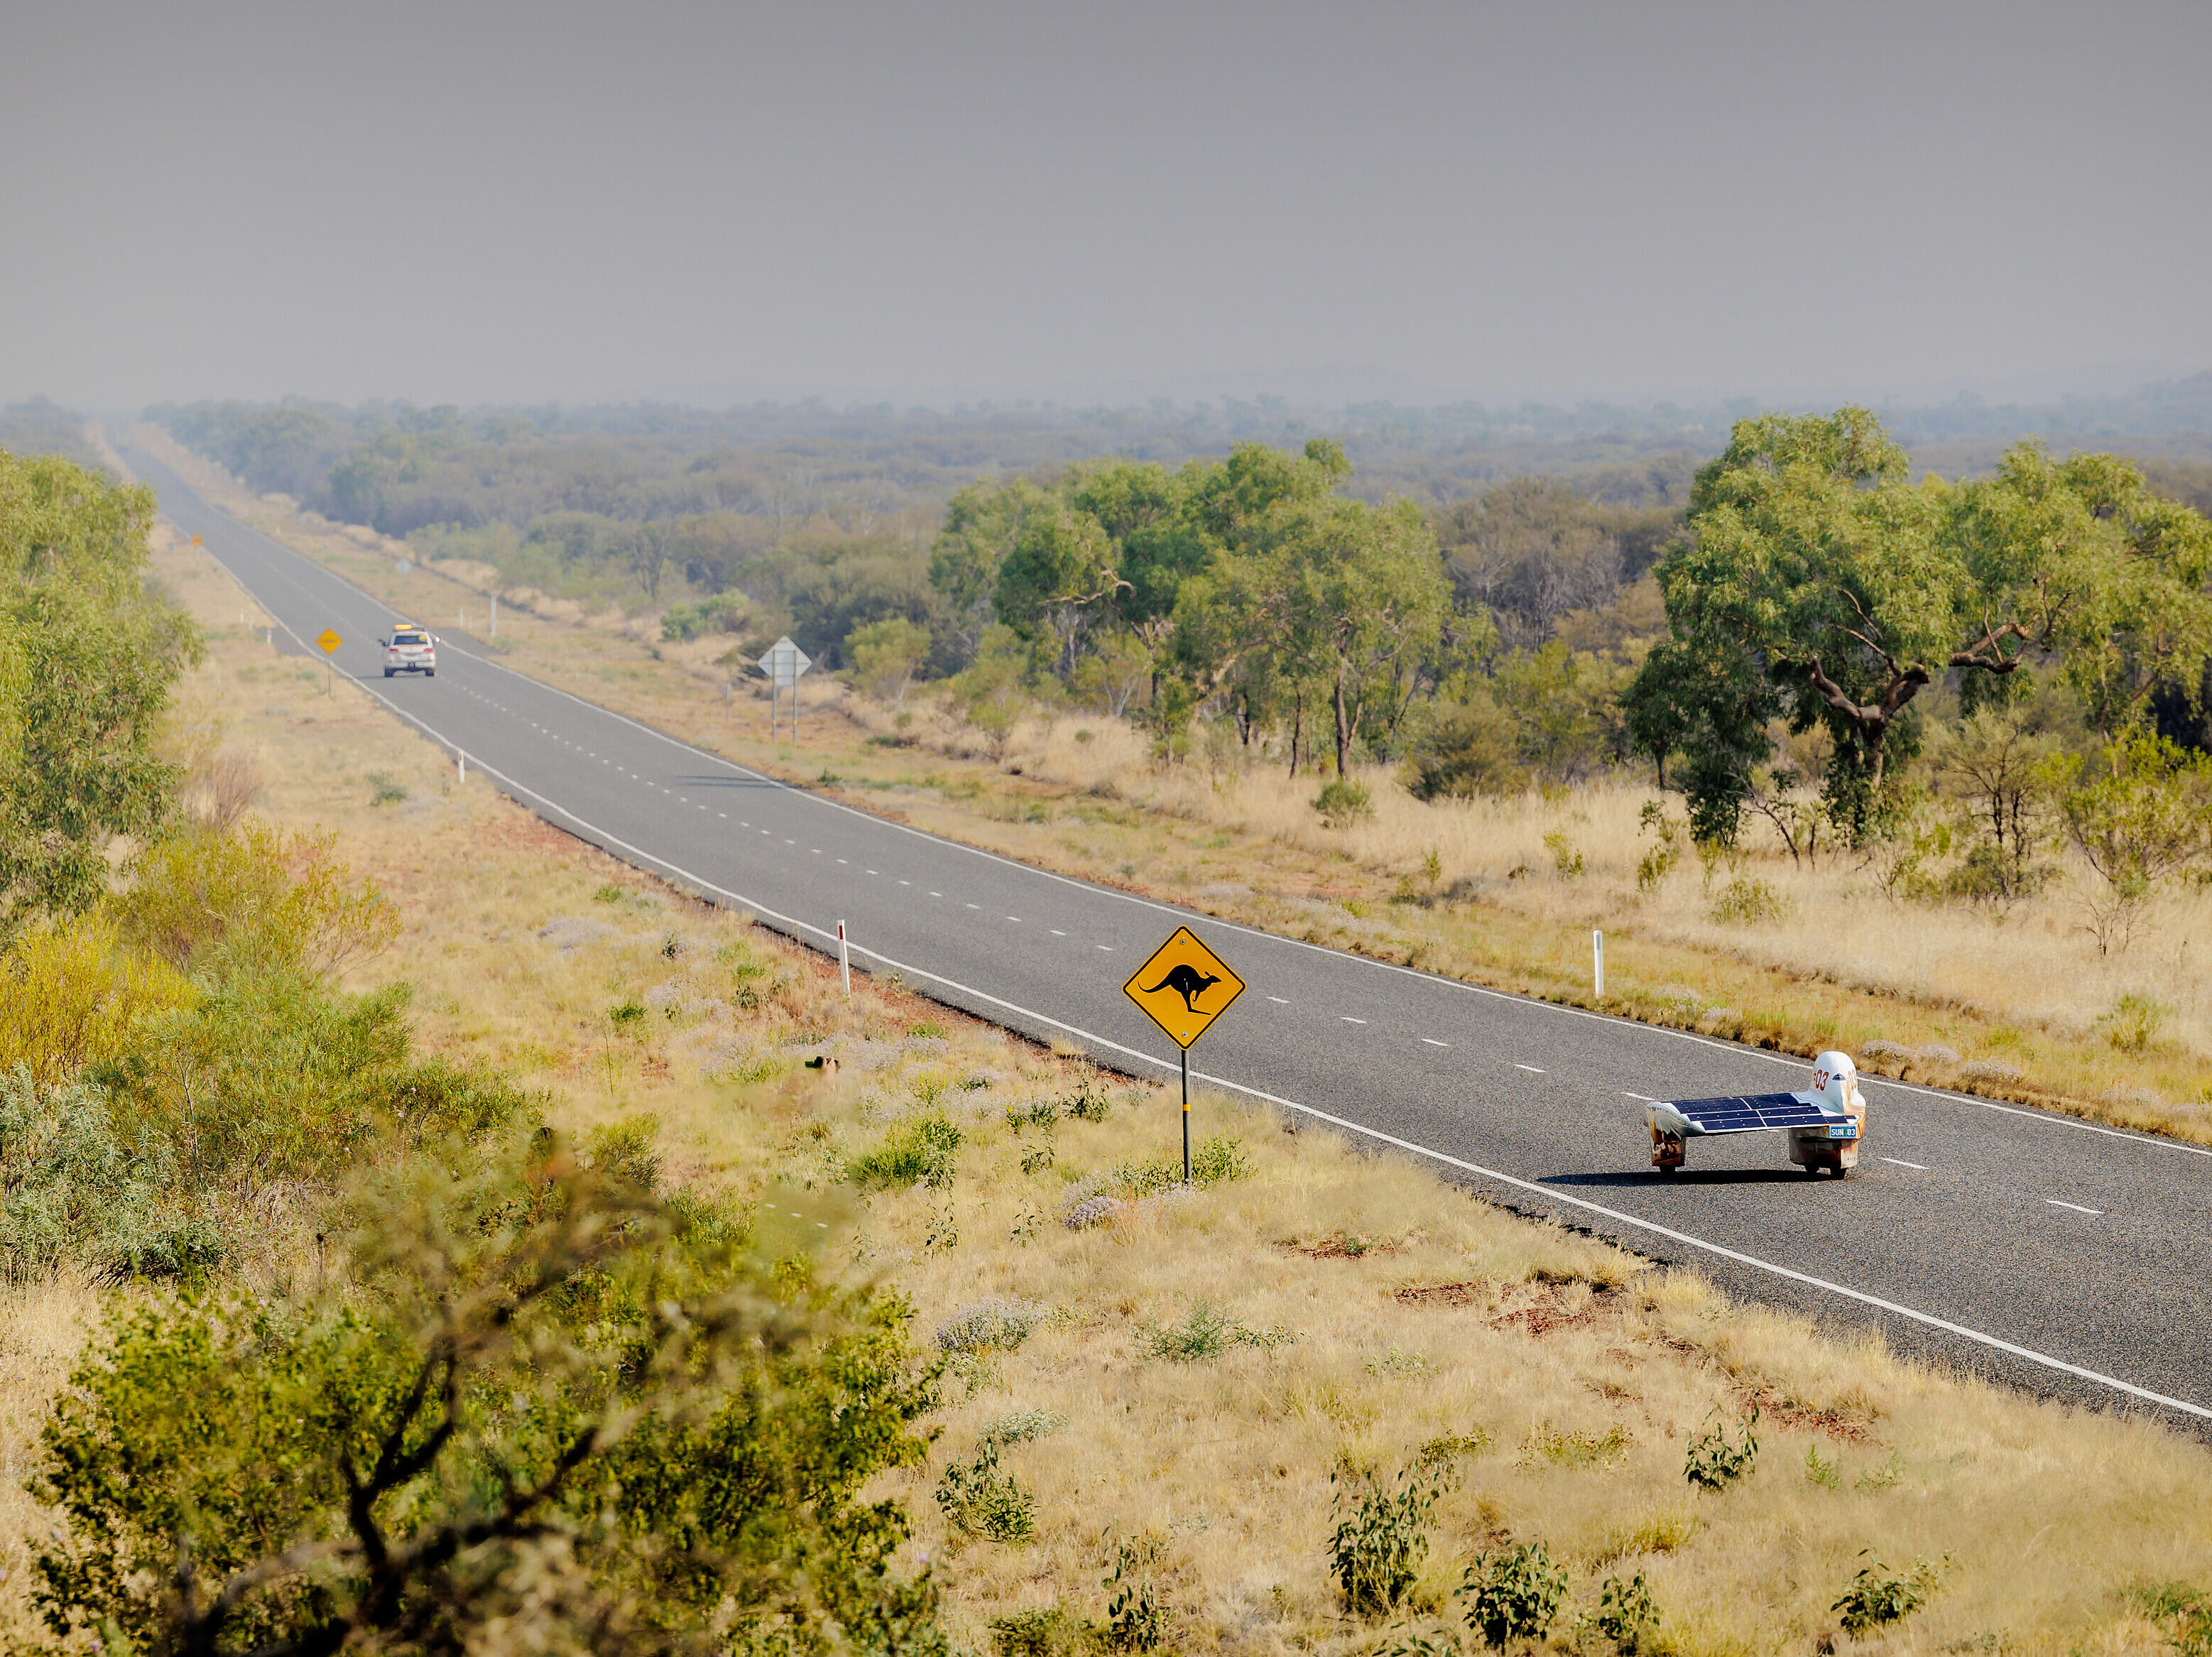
{"x": 784, "y": 662}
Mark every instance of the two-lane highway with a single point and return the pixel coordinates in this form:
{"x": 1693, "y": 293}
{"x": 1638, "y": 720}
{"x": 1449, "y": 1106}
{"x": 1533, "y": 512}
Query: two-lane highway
{"x": 2062, "y": 1256}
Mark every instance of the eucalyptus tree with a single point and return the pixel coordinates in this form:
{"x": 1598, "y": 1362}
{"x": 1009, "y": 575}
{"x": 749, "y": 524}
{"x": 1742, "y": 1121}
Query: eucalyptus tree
{"x": 1816, "y": 583}
{"x": 89, "y": 653}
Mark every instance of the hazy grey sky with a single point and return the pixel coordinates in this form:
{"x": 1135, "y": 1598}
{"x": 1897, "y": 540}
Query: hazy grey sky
{"x": 494, "y": 202}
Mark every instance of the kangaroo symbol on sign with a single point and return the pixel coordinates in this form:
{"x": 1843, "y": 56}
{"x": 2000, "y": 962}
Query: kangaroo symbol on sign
{"x": 1186, "y": 981}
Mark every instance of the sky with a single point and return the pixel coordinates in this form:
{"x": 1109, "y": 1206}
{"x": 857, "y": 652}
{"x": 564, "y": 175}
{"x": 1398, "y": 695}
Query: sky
{"x": 501, "y": 203}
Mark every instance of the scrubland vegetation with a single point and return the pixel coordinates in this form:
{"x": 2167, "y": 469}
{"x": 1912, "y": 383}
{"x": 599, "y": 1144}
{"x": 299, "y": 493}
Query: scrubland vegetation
{"x": 580, "y": 1311}
{"x": 1830, "y": 755}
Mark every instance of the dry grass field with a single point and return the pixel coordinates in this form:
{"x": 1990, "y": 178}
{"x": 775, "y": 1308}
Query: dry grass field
{"x": 2016, "y": 1003}
{"x": 1190, "y": 1383}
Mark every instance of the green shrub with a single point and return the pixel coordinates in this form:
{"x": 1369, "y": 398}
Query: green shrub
{"x": 270, "y": 1079}
{"x": 1744, "y": 901}
{"x": 1037, "y": 1113}
{"x": 1874, "y": 1599}
{"x": 1217, "y": 1159}
{"x": 1135, "y": 1620}
{"x": 385, "y": 790}
{"x": 1714, "y": 1464}
{"x": 526, "y": 1375}
{"x": 1206, "y": 1333}
{"x": 626, "y": 1153}
{"x": 1566, "y": 861}
{"x": 919, "y": 1151}
{"x": 2185, "y": 1612}
{"x": 1340, "y": 804}
{"x": 1089, "y": 1102}
{"x": 979, "y": 1499}
{"x": 1627, "y": 1614}
{"x": 1825, "y": 1471}
{"x": 991, "y": 1326}
{"x": 1514, "y": 1594}
{"x": 1651, "y": 871}
{"x": 1025, "y": 1425}
{"x": 252, "y": 900}
{"x": 2135, "y": 1021}
{"x": 723, "y": 613}
{"x": 1041, "y": 1632}
{"x": 1375, "y": 1551}
{"x": 72, "y": 1188}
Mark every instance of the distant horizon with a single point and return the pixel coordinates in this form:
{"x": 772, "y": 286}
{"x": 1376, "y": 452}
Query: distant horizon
{"x": 1306, "y": 392}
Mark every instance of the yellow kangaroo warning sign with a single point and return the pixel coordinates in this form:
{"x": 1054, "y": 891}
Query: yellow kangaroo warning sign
{"x": 1184, "y": 987}
{"x": 329, "y": 640}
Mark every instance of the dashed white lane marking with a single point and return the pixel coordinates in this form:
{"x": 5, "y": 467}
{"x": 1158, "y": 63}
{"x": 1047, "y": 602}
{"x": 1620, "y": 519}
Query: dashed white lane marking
{"x": 1917, "y": 1167}
{"x": 1531, "y": 1067}
{"x": 1015, "y": 919}
{"x": 937, "y": 894}
{"x": 1279, "y": 1000}
{"x": 841, "y": 860}
{"x": 1646, "y": 1097}
{"x": 871, "y": 871}
{"x": 1055, "y": 932}
{"x": 1346, "y": 1018}
{"x": 1107, "y": 947}
{"x": 724, "y": 815}
{"x": 970, "y": 905}
{"x": 1433, "y": 1042}
{"x": 902, "y": 882}
{"x": 2076, "y": 1207}
{"x": 816, "y": 850}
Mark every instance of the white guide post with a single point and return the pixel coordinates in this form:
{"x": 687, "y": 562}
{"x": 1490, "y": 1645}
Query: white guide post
{"x": 844, "y": 959}
{"x": 494, "y": 615}
{"x": 461, "y": 764}
{"x": 1597, "y": 960}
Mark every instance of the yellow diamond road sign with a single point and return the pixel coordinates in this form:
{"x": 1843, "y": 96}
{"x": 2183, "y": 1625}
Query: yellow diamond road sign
{"x": 1184, "y": 987}
{"x": 330, "y": 641}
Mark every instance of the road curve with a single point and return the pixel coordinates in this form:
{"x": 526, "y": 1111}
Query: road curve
{"x": 2061, "y": 1257}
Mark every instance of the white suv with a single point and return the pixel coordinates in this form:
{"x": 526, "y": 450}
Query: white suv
{"x": 410, "y": 650}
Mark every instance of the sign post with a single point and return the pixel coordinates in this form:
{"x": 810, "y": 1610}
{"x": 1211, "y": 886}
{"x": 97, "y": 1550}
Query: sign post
{"x": 329, "y": 641}
{"x": 1183, "y": 987}
{"x": 783, "y": 664}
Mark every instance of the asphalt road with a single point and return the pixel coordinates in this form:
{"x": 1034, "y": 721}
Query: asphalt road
{"x": 2061, "y": 1257}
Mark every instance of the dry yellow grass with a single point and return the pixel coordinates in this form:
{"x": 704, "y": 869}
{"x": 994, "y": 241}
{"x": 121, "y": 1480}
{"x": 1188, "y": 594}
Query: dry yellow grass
{"x": 1572, "y": 1375}
{"x": 2023, "y": 998}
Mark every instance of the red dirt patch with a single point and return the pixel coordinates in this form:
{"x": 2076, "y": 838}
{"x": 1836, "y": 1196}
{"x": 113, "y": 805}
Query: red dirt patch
{"x": 1453, "y": 1295}
{"x": 1548, "y": 1311}
{"x": 1789, "y": 1413}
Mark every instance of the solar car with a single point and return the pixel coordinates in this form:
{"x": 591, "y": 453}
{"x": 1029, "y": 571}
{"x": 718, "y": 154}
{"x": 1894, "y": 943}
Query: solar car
{"x": 1825, "y": 1125}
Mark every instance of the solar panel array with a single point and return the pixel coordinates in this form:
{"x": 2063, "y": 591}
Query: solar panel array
{"x": 1744, "y": 1113}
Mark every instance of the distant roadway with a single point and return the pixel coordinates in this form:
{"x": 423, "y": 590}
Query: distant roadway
{"x": 2064, "y": 1256}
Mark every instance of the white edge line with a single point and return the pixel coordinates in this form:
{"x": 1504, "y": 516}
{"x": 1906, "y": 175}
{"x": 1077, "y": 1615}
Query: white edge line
{"x": 1929, "y": 1319}
{"x": 2076, "y": 1207}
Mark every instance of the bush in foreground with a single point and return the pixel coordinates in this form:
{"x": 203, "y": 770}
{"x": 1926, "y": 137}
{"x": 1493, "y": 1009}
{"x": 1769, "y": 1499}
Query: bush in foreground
{"x": 547, "y": 1413}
